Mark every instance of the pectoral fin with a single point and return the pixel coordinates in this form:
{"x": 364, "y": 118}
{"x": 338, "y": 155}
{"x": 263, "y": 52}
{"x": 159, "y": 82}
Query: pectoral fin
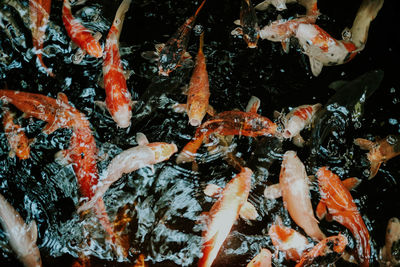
{"x": 263, "y": 5}
{"x": 237, "y": 22}
{"x": 253, "y": 105}
{"x": 213, "y": 190}
{"x": 141, "y": 139}
{"x": 32, "y": 229}
{"x": 62, "y": 157}
{"x": 375, "y": 165}
{"x": 211, "y": 111}
{"x": 237, "y": 32}
{"x": 316, "y": 66}
{"x": 364, "y": 143}
{"x": 273, "y": 191}
{"x": 298, "y": 140}
{"x": 321, "y": 210}
{"x": 150, "y": 56}
{"x": 351, "y": 183}
{"x": 248, "y": 211}
{"x": 285, "y": 46}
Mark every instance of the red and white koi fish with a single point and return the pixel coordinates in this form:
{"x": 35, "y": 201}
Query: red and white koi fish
{"x": 388, "y": 253}
{"x": 233, "y": 122}
{"x": 80, "y": 35}
{"x": 298, "y": 119}
{"x": 16, "y": 136}
{"x": 199, "y": 90}
{"x": 58, "y": 113}
{"x": 289, "y": 241}
{"x": 293, "y": 182}
{"x": 223, "y": 214}
{"x": 22, "y": 237}
{"x": 338, "y": 243}
{"x": 341, "y": 207}
{"x": 118, "y": 98}
{"x": 248, "y": 23}
{"x": 130, "y": 160}
{"x": 310, "y": 5}
{"x": 262, "y": 259}
{"x": 380, "y": 151}
{"x": 172, "y": 54}
{"x": 39, "y": 12}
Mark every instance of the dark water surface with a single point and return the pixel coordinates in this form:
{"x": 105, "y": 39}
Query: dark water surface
{"x": 162, "y": 208}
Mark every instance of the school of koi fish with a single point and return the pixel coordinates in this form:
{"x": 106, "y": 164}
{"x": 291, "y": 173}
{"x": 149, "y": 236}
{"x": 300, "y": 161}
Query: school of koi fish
{"x": 230, "y": 182}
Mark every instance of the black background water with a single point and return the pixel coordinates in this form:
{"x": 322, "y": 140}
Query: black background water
{"x": 164, "y": 207}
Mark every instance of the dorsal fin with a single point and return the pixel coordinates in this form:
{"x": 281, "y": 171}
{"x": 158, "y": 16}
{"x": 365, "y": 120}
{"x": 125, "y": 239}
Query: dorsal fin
{"x": 62, "y": 97}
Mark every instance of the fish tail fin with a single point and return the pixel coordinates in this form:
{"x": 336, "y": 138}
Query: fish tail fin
{"x": 375, "y": 165}
{"x": 199, "y": 8}
{"x": 48, "y": 71}
{"x": 122, "y": 9}
{"x": 188, "y": 153}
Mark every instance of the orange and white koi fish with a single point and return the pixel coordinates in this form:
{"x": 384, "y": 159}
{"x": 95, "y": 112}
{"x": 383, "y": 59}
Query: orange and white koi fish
{"x": 172, "y": 54}
{"x": 233, "y": 122}
{"x": 388, "y": 253}
{"x": 130, "y": 160}
{"x": 39, "y": 12}
{"x": 310, "y": 5}
{"x": 223, "y": 214}
{"x": 80, "y": 35}
{"x": 58, "y": 113}
{"x": 298, "y": 119}
{"x": 248, "y": 23}
{"x": 16, "y": 136}
{"x": 338, "y": 243}
{"x": 293, "y": 182}
{"x": 118, "y": 98}
{"x": 22, "y": 237}
{"x": 289, "y": 241}
{"x": 341, "y": 207}
{"x": 262, "y": 259}
{"x": 199, "y": 90}
{"x": 380, "y": 151}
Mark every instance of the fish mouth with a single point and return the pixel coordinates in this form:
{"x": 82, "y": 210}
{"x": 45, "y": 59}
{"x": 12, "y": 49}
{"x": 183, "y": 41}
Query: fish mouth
{"x": 252, "y": 45}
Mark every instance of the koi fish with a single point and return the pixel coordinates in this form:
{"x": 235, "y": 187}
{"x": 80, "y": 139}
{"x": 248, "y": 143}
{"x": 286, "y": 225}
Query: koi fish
{"x": 199, "y": 92}
{"x": 296, "y": 195}
{"x": 39, "y": 12}
{"x": 233, "y": 122}
{"x": 16, "y": 137}
{"x": 118, "y": 98}
{"x": 338, "y": 243}
{"x": 249, "y": 24}
{"x": 262, "y": 259}
{"x": 21, "y": 236}
{"x": 388, "y": 254}
{"x": 80, "y": 35}
{"x": 380, "y": 151}
{"x": 172, "y": 54}
{"x": 223, "y": 214}
{"x": 310, "y": 5}
{"x": 289, "y": 241}
{"x": 130, "y": 160}
{"x": 341, "y": 207}
{"x": 298, "y": 119}
{"x": 58, "y": 113}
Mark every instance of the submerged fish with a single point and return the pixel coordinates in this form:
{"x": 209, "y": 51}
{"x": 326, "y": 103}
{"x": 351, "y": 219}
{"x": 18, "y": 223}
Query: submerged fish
{"x": 22, "y": 237}
{"x": 248, "y": 22}
{"x": 380, "y": 151}
{"x": 118, "y": 98}
{"x": 338, "y": 202}
{"x": 389, "y": 254}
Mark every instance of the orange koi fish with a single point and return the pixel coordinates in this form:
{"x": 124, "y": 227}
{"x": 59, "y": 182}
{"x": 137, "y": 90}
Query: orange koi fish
{"x": 199, "y": 90}
{"x": 262, "y": 259}
{"x": 341, "y": 207}
{"x": 171, "y": 55}
{"x": 380, "y": 151}
{"x": 58, "y": 113}
{"x": 233, "y": 122}
{"x": 16, "y": 137}
{"x": 338, "y": 243}
{"x": 223, "y": 214}
{"x": 118, "y": 98}
{"x": 289, "y": 241}
{"x": 248, "y": 23}
{"x": 39, "y": 12}
{"x": 80, "y": 35}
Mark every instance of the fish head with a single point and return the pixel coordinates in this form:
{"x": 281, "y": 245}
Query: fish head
{"x": 251, "y": 37}
{"x": 166, "y": 63}
{"x": 163, "y": 151}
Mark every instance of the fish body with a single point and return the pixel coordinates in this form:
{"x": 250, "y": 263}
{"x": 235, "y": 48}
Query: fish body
{"x": 293, "y": 183}
{"x": 39, "y": 12}
{"x": 389, "y": 253}
{"x": 16, "y": 136}
{"x": 338, "y": 243}
{"x": 172, "y": 53}
{"x": 118, "y": 98}
{"x": 233, "y": 122}
{"x": 289, "y": 241}
{"x": 80, "y": 35}
{"x": 223, "y": 214}
{"x": 336, "y": 198}
{"x": 249, "y": 24}
{"x": 58, "y": 113}
{"x": 22, "y": 237}
{"x": 130, "y": 160}
{"x": 262, "y": 259}
{"x": 199, "y": 89}
{"x": 380, "y": 151}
